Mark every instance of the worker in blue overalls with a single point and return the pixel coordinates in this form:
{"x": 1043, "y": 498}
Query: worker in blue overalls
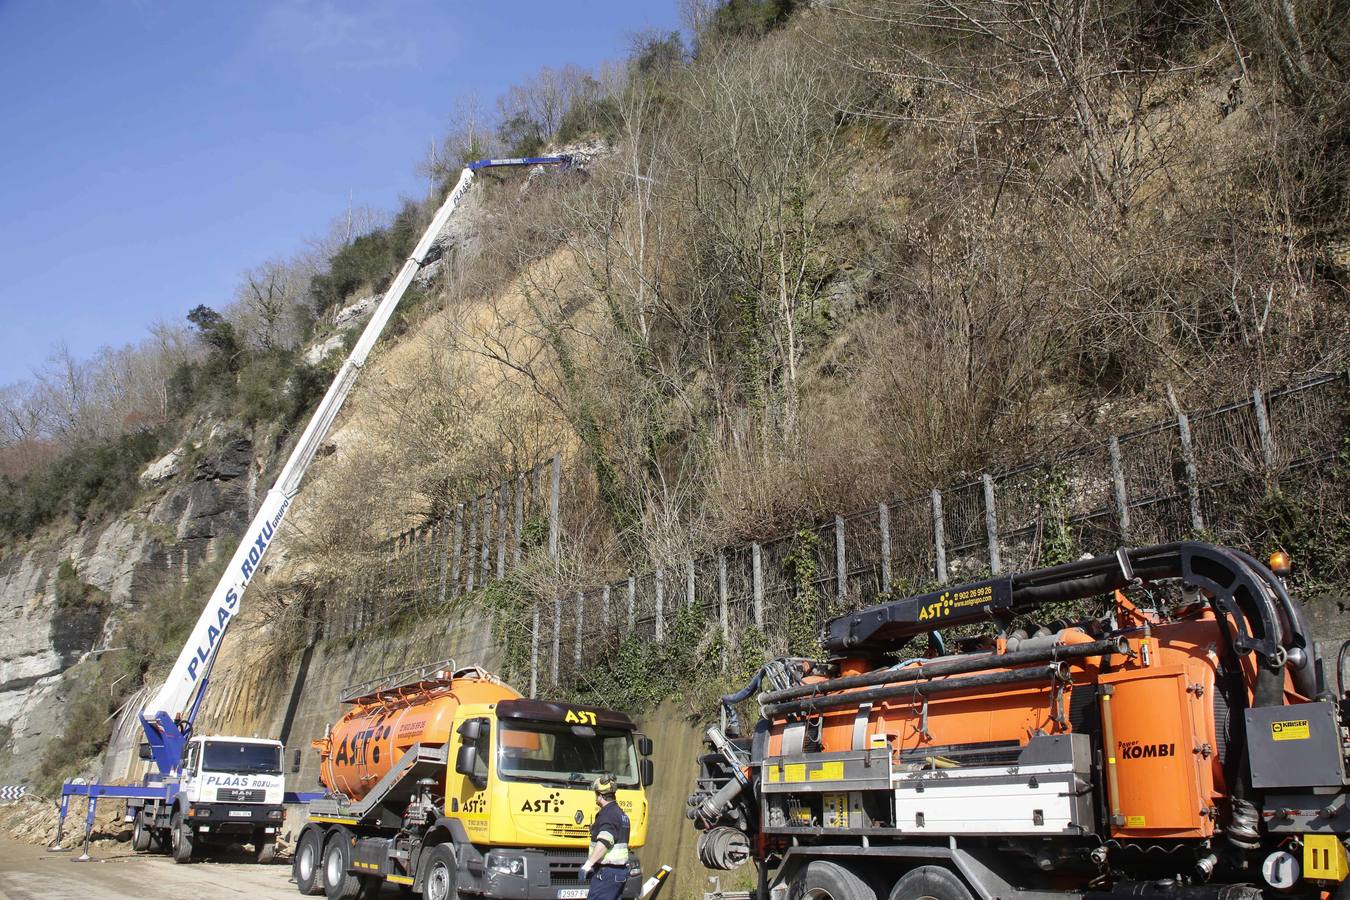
{"x": 606, "y": 868}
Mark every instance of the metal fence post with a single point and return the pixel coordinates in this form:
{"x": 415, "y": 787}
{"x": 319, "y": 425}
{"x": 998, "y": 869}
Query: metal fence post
{"x": 534, "y": 650}
{"x": 485, "y": 553}
{"x": 470, "y": 559}
{"x": 632, "y": 603}
{"x": 455, "y": 557}
{"x": 554, "y": 499}
{"x": 581, "y": 624}
{"x": 991, "y": 525}
{"x": 557, "y": 635}
{"x": 1192, "y": 479}
{"x": 884, "y": 522}
{"x": 690, "y": 594}
{"x": 503, "y": 505}
{"x": 1118, "y": 485}
{"x": 1263, "y": 430}
{"x": 939, "y": 539}
{"x": 604, "y": 607}
{"x": 660, "y": 600}
{"x": 519, "y": 542}
{"x": 840, "y": 559}
{"x": 723, "y": 615}
{"x": 443, "y": 528}
{"x": 757, "y": 584}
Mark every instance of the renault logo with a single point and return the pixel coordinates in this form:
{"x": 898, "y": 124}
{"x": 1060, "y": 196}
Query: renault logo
{"x": 578, "y": 818}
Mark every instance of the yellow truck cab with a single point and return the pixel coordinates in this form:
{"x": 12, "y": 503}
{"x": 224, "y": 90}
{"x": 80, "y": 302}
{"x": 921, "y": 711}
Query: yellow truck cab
{"x": 501, "y": 808}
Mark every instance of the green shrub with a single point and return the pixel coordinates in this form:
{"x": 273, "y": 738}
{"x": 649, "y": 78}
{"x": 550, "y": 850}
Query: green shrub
{"x": 370, "y": 261}
{"x": 92, "y": 478}
{"x": 739, "y": 18}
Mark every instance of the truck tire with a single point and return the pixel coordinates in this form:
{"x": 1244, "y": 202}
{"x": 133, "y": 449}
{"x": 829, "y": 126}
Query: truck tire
{"x": 141, "y": 837}
{"x": 180, "y": 839}
{"x": 929, "y": 883}
{"x": 308, "y": 864}
{"x": 824, "y": 880}
{"x": 338, "y": 883}
{"x": 440, "y": 874}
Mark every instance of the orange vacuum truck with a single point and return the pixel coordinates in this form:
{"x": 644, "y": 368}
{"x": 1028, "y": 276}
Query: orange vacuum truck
{"x": 1185, "y": 740}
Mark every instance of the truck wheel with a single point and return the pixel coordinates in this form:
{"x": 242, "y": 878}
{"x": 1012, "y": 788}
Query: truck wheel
{"x": 822, "y": 880}
{"x": 140, "y": 835}
{"x": 338, "y": 883}
{"x": 439, "y": 878}
{"x": 306, "y": 868}
{"x": 180, "y": 839}
{"x": 264, "y": 849}
{"x": 929, "y": 883}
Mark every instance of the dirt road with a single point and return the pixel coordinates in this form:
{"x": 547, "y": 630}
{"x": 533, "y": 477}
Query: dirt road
{"x": 28, "y": 872}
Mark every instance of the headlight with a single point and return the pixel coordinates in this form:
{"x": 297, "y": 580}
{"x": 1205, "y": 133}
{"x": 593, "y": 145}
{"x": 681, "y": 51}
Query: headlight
{"x": 276, "y": 814}
{"x": 506, "y": 865}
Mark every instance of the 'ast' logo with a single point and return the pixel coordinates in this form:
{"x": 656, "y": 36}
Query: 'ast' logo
{"x": 938, "y": 608}
{"x": 579, "y": 717}
{"x": 550, "y": 804}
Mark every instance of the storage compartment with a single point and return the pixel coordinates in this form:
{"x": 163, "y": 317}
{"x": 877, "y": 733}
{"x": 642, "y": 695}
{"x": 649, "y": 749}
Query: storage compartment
{"x": 1049, "y": 791}
{"x": 1163, "y": 790}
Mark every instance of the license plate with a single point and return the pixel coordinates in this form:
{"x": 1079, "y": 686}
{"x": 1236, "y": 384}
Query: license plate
{"x": 572, "y": 893}
{"x": 241, "y": 813}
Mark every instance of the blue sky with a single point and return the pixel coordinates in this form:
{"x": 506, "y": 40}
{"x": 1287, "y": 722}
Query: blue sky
{"x": 151, "y": 151}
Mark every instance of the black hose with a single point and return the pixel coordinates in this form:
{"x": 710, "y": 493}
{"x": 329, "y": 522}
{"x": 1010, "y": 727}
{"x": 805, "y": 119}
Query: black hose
{"x": 729, "y": 701}
{"x": 1296, "y": 633}
{"x": 1055, "y": 671}
{"x": 961, "y": 665}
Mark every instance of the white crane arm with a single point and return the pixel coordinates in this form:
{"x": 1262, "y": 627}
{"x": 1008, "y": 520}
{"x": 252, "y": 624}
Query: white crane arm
{"x": 175, "y": 696}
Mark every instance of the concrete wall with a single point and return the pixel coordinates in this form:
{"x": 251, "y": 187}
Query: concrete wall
{"x": 671, "y": 839}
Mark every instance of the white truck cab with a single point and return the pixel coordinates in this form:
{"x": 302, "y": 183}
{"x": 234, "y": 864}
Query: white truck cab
{"x": 229, "y": 790}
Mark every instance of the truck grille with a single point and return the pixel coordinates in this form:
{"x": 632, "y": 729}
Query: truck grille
{"x": 240, "y": 795}
{"x": 564, "y": 867}
{"x": 564, "y": 830}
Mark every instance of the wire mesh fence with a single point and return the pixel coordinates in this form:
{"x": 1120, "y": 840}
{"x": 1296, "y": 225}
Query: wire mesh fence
{"x": 1175, "y": 479}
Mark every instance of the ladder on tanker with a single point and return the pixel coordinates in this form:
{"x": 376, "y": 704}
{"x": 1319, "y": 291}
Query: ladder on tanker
{"x": 394, "y": 791}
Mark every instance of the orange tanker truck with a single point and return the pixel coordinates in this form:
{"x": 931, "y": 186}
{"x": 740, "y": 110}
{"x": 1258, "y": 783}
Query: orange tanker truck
{"x": 1178, "y": 737}
{"x": 444, "y": 780}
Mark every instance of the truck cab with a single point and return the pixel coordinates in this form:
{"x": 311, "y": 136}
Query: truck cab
{"x": 502, "y": 808}
{"x": 228, "y": 790}
{"x": 522, "y": 780}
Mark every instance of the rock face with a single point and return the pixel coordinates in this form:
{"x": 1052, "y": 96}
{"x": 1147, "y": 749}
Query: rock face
{"x": 43, "y": 634}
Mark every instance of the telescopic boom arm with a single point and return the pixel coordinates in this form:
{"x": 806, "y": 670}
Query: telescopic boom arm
{"x": 168, "y": 717}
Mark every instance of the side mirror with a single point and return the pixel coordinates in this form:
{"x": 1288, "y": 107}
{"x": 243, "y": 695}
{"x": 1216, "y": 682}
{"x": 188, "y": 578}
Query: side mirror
{"x": 646, "y": 771}
{"x": 144, "y": 751}
{"x": 644, "y": 745}
{"x": 465, "y": 763}
{"x": 471, "y": 730}
{"x": 295, "y": 762}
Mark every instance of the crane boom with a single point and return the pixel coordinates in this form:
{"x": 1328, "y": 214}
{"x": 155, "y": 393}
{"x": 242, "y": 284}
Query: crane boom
{"x": 168, "y": 716}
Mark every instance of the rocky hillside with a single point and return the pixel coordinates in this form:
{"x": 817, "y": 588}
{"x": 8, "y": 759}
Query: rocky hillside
{"x": 64, "y": 593}
{"x": 825, "y": 258}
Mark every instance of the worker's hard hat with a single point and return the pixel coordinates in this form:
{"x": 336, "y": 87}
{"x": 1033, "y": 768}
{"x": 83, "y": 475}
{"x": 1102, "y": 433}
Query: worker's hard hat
{"x": 604, "y": 785}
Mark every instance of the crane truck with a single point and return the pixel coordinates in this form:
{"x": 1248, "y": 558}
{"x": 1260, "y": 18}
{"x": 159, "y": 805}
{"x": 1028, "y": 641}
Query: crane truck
{"x": 1183, "y": 739}
{"x": 224, "y": 789}
{"x": 444, "y": 780}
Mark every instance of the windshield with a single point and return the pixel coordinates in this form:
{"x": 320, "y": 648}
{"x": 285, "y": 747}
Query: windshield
{"x": 565, "y": 754}
{"x": 253, "y": 759}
